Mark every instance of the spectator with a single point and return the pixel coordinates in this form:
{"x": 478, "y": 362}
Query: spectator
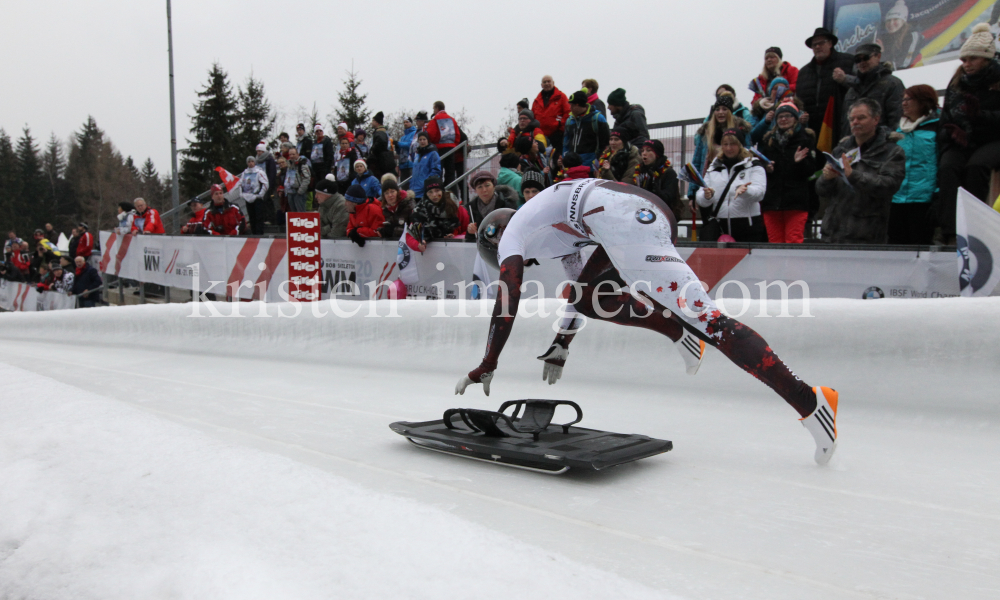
{"x": 303, "y": 143}
{"x": 74, "y": 241}
{"x": 874, "y": 79}
{"x": 321, "y": 154}
{"x": 344, "y": 132}
{"x": 10, "y": 243}
{"x": 10, "y": 273}
{"x": 591, "y": 86}
{"x": 532, "y": 158}
{"x": 39, "y": 258}
{"x": 738, "y": 109}
{"x": 620, "y": 161}
{"x": 146, "y": 218}
{"x": 859, "y": 213}
{"x": 365, "y": 215}
{"x": 631, "y": 118}
{"x": 45, "y": 279}
{"x": 551, "y": 108}
{"x": 361, "y": 142}
{"x": 381, "y": 157}
{"x": 527, "y": 126}
{"x": 586, "y": 130}
{"x": 774, "y": 67}
{"x": 126, "y": 214}
{"x": 51, "y": 234}
{"x": 20, "y": 261}
{"x": 85, "y": 247}
{"x": 364, "y": 178}
{"x": 194, "y": 225}
{"x": 819, "y": 84}
{"x": 708, "y": 139}
{"x": 655, "y": 174}
{"x": 344, "y": 164}
{"x": 736, "y": 183}
{"x": 266, "y": 163}
{"x": 909, "y": 219}
{"x": 445, "y": 135}
{"x": 574, "y": 168}
{"x": 901, "y": 45}
{"x": 421, "y": 121}
{"x": 427, "y": 163}
{"x": 761, "y": 112}
{"x": 253, "y": 190}
{"x": 285, "y": 147}
{"x": 297, "y": 178}
{"x": 396, "y": 208}
{"x": 969, "y": 141}
{"x": 332, "y": 208}
{"x": 531, "y": 184}
{"x": 62, "y": 280}
{"x": 489, "y": 197}
{"x": 436, "y": 216}
{"x": 522, "y": 104}
{"x": 403, "y": 145}
{"x": 87, "y": 281}
{"x": 282, "y": 196}
{"x": 223, "y": 217}
{"x": 282, "y": 140}
{"x": 508, "y": 174}
{"x": 790, "y": 147}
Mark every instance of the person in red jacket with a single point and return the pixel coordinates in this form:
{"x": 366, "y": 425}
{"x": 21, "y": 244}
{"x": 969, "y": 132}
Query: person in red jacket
{"x": 223, "y": 218}
{"x": 445, "y": 135}
{"x": 194, "y": 224}
{"x": 365, "y": 215}
{"x": 147, "y": 220}
{"x": 773, "y": 67}
{"x": 551, "y": 108}
{"x": 21, "y": 261}
{"x": 85, "y": 247}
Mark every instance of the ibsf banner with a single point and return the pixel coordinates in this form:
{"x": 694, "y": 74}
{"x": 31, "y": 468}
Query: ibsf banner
{"x": 912, "y": 33}
{"x": 304, "y": 261}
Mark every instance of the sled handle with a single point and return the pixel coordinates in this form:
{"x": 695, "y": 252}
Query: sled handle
{"x": 542, "y": 410}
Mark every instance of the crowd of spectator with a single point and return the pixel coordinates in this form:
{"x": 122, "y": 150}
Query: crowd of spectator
{"x": 70, "y": 271}
{"x": 839, "y": 140}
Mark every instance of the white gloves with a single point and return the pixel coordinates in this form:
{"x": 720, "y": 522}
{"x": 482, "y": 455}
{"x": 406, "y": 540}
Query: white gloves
{"x": 554, "y": 359}
{"x": 465, "y": 382}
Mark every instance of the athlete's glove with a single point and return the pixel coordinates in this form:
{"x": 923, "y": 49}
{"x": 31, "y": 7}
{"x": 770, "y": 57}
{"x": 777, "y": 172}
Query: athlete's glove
{"x": 554, "y": 359}
{"x": 475, "y": 376}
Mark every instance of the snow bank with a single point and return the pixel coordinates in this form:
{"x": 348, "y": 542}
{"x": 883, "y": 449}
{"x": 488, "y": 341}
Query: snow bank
{"x": 100, "y": 500}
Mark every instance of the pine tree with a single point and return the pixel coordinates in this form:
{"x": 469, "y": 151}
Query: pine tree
{"x": 254, "y": 116}
{"x": 8, "y": 183}
{"x": 213, "y": 128}
{"x": 152, "y": 186}
{"x": 54, "y": 165}
{"x": 31, "y": 185}
{"x": 352, "y": 105}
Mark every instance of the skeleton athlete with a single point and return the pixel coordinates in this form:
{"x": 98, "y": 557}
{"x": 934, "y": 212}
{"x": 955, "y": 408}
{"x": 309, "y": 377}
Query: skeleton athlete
{"x": 634, "y": 231}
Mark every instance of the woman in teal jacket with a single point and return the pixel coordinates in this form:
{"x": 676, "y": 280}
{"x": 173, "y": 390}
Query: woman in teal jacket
{"x": 909, "y": 222}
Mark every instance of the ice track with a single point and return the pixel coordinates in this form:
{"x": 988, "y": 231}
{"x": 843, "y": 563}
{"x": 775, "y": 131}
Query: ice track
{"x": 908, "y": 508}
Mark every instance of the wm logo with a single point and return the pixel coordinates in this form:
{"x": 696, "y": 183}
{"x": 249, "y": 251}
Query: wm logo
{"x": 152, "y": 262}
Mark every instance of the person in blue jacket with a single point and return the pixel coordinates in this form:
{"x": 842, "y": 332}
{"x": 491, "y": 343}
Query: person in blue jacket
{"x": 427, "y": 164}
{"x": 403, "y": 149}
{"x": 587, "y": 131}
{"x": 364, "y": 178}
{"x": 909, "y": 222}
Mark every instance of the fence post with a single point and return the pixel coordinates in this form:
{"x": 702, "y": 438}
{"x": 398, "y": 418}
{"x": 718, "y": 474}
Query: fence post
{"x": 684, "y": 151}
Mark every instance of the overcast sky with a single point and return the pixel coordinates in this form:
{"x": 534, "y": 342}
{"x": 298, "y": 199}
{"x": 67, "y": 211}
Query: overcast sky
{"x": 108, "y": 58}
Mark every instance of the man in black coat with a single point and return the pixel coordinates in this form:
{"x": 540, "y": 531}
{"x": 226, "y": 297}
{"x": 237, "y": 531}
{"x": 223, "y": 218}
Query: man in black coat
{"x": 874, "y": 79}
{"x": 86, "y": 281}
{"x": 381, "y": 158}
{"x": 820, "y": 81}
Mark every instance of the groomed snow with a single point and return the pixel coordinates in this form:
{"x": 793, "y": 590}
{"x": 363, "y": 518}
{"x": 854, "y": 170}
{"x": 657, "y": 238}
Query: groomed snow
{"x": 145, "y": 453}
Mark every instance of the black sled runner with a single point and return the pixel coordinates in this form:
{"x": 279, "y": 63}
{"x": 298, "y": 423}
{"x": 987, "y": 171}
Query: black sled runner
{"x": 529, "y": 440}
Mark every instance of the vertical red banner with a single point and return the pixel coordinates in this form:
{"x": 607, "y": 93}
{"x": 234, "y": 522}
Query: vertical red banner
{"x": 304, "y": 260}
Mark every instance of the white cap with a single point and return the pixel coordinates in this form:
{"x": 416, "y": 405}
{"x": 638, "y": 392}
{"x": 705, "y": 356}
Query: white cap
{"x": 344, "y": 125}
{"x": 261, "y": 147}
{"x": 318, "y": 127}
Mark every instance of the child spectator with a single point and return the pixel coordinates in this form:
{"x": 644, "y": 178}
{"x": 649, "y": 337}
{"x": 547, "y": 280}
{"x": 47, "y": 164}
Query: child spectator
{"x": 427, "y": 164}
{"x": 396, "y": 208}
{"x": 365, "y": 215}
{"x": 364, "y": 178}
{"x": 621, "y": 159}
{"x": 435, "y": 216}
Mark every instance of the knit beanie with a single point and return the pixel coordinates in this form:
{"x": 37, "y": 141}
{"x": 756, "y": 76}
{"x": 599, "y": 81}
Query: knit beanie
{"x": 522, "y": 144}
{"x": 532, "y": 179}
{"x": 527, "y": 113}
{"x": 787, "y": 106}
{"x": 579, "y": 98}
{"x": 617, "y": 98}
{"x": 421, "y": 134}
{"x": 522, "y": 102}
{"x": 774, "y": 49}
{"x": 572, "y": 159}
{"x": 422, "y": 115}
{"x": 980, "y": 43}
{"x": 898, "y": 11}
{"x": 776, "y": 82}
{"x": 509, "y": 160}
{"x": 654, "y": 145}
{"x": 619, "y": 133}
{"x": 261, "y": 147}
{"x": 379, "y": 118}
{"x": 362, "y": 161}
{"x": 390, "y": 184}
{"x": 432, "y": 183}
{"x": 356, "y": 194}
{"x": 726, "y": 100}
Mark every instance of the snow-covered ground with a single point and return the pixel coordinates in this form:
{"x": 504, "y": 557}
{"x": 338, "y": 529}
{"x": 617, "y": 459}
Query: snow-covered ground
{"x": 144, "y": 453}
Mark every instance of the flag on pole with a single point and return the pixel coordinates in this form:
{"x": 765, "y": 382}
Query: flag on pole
{"x": 228, "y": 179}
{"x": 407, "y": 258}
{"x": 825, "y": 141}
{"x": 483, "y": 277}
{"x": 978, "y": 241}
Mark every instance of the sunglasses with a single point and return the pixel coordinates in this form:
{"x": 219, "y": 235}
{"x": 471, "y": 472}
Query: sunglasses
{"x": 860, "y": 58}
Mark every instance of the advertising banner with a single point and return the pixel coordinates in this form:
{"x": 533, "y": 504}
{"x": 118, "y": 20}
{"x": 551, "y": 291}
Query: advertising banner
{"x": 304, "y": 260}
{"x": 912, "y": 33}
{"x": 24, "y": 297}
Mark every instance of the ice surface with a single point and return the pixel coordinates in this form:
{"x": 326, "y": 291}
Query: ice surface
{"x": 272, "y": 472}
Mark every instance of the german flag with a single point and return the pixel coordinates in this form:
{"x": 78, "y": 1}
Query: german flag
{"x": 825, "y": 141}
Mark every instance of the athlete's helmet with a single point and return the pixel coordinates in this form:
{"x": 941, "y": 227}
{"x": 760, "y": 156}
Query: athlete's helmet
{"x": 489, "y": 233}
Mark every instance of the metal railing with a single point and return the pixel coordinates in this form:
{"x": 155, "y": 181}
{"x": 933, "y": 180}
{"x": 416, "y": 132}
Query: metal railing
{"x": 462, "y": 146}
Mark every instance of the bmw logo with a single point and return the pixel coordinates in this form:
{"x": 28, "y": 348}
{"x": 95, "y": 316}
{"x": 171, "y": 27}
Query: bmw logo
{"x": 873, "y": 293}
{"x": 491, "y": 231}
{"x": 645, "y": 216}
